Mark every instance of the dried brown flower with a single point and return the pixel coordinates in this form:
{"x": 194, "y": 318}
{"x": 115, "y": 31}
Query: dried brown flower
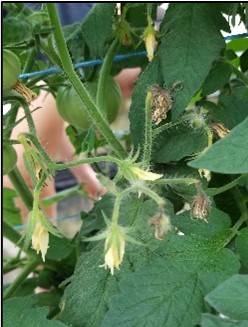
{"x": 161, "y": 103}
{"x": 220, "y": 130}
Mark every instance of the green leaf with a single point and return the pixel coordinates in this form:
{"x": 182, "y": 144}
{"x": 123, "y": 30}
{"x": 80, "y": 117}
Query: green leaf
{"x": 182, "y": 54}
{"x": 59, "y": 248}
{"x": 20, "y": 312}
{"x": 237, "y": 45}
{"x": 218, "y": 76}
{"x": 86, "y": 299}
{"x": 16, "y": 30}
{"x": 232, "y": 108}
{"x": 228, "y": 155}
{"x": 209, "y": 320}
{"x": 170, "y": 290}
{"x": 218, "y": 221}
{"x": 241, "y": 244}
{"x": 11, "y": 214}
{"x": 231, "y": 297}
{"x": 177, "y": 143}
{"x": 96, "y": 28}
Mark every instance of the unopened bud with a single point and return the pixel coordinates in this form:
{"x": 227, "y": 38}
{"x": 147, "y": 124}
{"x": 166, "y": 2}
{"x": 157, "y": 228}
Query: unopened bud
{"x": 150, "y": 41}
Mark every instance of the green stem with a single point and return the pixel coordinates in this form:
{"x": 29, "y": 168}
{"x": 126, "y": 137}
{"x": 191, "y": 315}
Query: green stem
{"x": 57, "y": 197}
{"x": 148, "y": 131}
{"x": 29, "y": 118}
{"x": 13, "y": 264}
{"x": 143, "y": 189}
{"x": 241, "y": 203}
{"x": 93, "y": 111}
{"x": 104, "y": 74}
{"x": 21, "y": 187}
{"x": 75, "y": 163}
{"x": 30, "y": 60}
{"x": 116, "y": 210}
{"x": 240, "y": 75}
{"x": 11, "y": 120}
{"x": 149, "y": 12}
{"x": 23, "y": 275}
{"x": 165, "y": 127}
{"x": 224, "y": 188}
{"x": 12, "y": 235}
{"x": 39, "y": 147}
{"x": 172, "y": 181}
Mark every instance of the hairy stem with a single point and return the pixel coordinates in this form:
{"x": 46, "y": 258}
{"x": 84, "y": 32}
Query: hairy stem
{"x": 93, "y": 111}
{"x": 75, "y": 163}
{"x": 148, "y": 131}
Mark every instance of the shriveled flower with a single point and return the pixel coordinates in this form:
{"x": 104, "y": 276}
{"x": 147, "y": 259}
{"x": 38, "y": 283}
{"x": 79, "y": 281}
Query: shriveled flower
{"x": 162, "y": 225}
{"x": 144, "y": 175}
{"x": 201, "y": 206}
{"x": 114, "y": 247}
{"x": 40, "y": 239}
{"x": 150, "y": 41}
{"x": 22, "y": 89}
{"x": 220, "y": 130}
{"x": 161, "y": 103}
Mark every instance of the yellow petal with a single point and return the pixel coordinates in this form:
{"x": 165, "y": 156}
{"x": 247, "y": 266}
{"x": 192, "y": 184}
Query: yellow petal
{"x": 40, "y": 239}
{"x": 145, "y": 175}
{"x": 115, "y": 245}
{"x": 150, "y": 43}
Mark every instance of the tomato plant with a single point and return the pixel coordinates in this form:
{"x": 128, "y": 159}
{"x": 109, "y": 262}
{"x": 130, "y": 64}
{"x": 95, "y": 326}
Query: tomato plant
{"x": 166, "y": 246}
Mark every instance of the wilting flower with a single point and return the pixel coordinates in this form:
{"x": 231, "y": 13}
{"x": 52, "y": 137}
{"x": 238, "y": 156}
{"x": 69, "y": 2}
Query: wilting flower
{"x": 220, "y": 130}
{"x": 162, "y": 225}
{"x": 144, "y": 175}
{"x": 22, "y": 89}
{"x": 201, "y": 206}
{"x": 40, "y": 239}
{"x": 114, "y": 247}
{"x": 150, "y": 41}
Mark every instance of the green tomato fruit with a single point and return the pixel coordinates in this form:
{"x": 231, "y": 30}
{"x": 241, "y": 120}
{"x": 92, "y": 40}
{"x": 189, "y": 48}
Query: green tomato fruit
{"x": 72, "y": 110}
{"x": 11, "y": 69}
{"x": 9, "y": 158}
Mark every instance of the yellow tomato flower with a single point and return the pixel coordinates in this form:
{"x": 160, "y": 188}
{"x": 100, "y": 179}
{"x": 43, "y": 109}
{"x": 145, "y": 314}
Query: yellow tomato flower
{"x": 114, "y": 247}
{"x": 150, "y": 41}
{"x": 144, "y": 174}
{"x": 40, "y": 239}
